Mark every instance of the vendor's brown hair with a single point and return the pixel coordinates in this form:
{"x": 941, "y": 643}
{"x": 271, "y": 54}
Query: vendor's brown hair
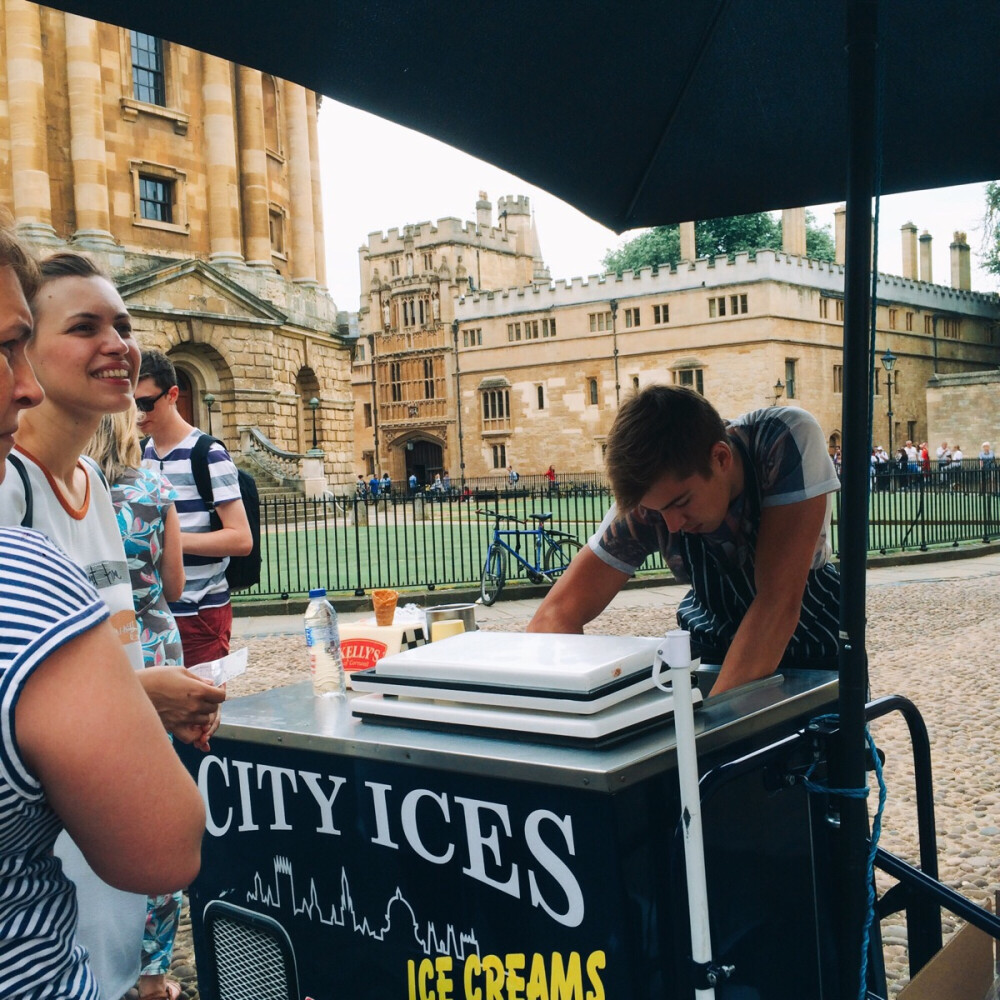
{"x": 663, "y": 429}
{"x": 115, "y": 444}
{"x": 15, "y": 255}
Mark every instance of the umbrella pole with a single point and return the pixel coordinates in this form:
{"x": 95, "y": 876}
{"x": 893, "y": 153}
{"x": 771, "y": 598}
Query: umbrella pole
{"x": 848, "y": 759}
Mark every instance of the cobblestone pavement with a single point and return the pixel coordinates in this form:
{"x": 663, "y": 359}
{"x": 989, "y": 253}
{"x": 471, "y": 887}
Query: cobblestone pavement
{"x": 934, "y": 642}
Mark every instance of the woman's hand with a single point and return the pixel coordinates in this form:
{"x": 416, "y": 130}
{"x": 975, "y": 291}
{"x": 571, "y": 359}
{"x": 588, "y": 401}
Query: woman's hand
{"x": 186, "y": 704}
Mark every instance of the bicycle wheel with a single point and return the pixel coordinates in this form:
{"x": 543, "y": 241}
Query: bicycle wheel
{"x": 494, "y": 574}
{"x": 559, "y": 552}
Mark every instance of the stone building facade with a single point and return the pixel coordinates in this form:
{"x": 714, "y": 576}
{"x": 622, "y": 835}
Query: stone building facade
{"x": 541, "y": 368}
{"x": 964, "y": 409}
{"x": 196, "y": 182}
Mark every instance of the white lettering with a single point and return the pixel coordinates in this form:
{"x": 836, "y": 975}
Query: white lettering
{"x": 210, "y": 825}
{"x": 477, "y": 841}
{"x": 555, "y": 866}
{"x": 243, "y": 769}
{"x": 276, "y": 774}
{"x": 382, "y": 835}
{"x": 312, "y": 779}
{"x": 408, "y": 814}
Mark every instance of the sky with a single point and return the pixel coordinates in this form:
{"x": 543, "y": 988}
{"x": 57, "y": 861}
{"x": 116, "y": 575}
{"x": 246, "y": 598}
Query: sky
{"x": 377, "y": 175}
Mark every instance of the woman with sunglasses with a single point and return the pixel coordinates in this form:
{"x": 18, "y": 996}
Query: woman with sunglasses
{"x": 87, "y": 362}
{"x": 63, "y": 669}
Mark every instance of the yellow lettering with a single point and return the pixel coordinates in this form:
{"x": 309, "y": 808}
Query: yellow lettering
{"x": 596, "y": 961}
{"x": 538, "y": 983}
{"x": 494, "y": 970}
{"x": 567, "y": 980}
{"x": 411, "y": 986}
{"x": 515, "y": 981}
{"x": 473, "y": 967}
{"x": 442, "y": 965}
{"x": 425, "y": 975}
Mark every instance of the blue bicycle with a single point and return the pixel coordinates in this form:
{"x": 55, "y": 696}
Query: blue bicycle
{"x": 552, "y": 551}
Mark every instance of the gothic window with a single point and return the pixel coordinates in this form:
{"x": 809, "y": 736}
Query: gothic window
{"x": 395, "y": 381}
{"x": 428, "y": 378}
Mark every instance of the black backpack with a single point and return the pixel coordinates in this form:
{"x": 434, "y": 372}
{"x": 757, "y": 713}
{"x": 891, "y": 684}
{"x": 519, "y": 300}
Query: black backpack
{"x": 242, "y": 571}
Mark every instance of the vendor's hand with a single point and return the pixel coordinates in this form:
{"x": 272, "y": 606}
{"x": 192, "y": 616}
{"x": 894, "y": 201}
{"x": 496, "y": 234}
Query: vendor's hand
{"x": 199, "y": 736}
{"x": 186, "y": 704}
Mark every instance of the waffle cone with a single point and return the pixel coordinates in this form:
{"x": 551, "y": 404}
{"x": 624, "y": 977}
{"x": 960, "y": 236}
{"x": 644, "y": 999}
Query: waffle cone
{"x": 384, "y": 603}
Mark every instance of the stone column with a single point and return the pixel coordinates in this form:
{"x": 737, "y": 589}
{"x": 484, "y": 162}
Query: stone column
{"x": 839, "y": 234}
{"x": 253, "y": 168}
{"x": 689, "y": 250}
{"x": 793, "y": 231}
{"x": 26, "y": 107}
{"x": 220, "y": 162}
{"x": 312, "y": 113}
{"x": 908, "y": 232}
{"x": 86, "y": 125}
{"x": 926, "y": 268}
{"x": 300, "y": 185}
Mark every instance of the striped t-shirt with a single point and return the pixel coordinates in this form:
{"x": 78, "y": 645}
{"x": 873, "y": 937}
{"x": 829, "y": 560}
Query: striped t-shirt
{"x": 47, "y": 601}
{"x": 205, "y": 576}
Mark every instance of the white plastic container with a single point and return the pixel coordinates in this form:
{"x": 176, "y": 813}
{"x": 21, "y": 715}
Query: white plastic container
{"x": 323, "y": 642}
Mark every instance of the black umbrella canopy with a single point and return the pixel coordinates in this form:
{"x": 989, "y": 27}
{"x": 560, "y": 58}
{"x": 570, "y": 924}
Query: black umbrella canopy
{"x": 637, "y": 114}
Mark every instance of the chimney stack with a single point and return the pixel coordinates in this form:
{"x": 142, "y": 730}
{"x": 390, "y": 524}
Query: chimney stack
{"x": 926, "y": 270}
{"x": 909, "y": 233}
{"x": 840, "y": 234}
{"x": 484, "y": 212}
{"x": 688, "y": 250}
{"x": 793, "y": 231}
{"x": 961, "y": 263}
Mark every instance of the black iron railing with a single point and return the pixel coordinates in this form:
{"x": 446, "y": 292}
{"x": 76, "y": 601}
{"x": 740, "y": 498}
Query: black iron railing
{"x": 436, "y": 539}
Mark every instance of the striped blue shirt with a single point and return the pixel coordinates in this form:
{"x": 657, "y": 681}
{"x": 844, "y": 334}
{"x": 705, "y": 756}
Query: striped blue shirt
{"x": 46, "y": 602}
{"x": 205, "y": 584}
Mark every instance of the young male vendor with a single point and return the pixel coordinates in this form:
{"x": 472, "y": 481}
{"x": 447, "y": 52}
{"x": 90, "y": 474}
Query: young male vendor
{"x": 739, "y": 510}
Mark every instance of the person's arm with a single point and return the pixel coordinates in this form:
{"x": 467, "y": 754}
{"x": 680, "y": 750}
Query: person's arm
{"x": 579, "y": 595}
{"x": 186, "y": 704}
{"x": 172, "y": 560}
{"x": 785, "y": 546}
{"x": 232, "y": 539}
{"x": 117, "y": 785}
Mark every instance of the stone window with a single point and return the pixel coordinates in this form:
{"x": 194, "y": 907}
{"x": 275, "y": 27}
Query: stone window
{"x": 928, "y": 325}
{"x": 395, "y": 381}
{"x": 893, "y": 318}
{"x": 541, "y": 397}
{"x": 790, "y": 364}
{"x": 148, "y": 76}
{"x": 661, "y": 313}
{"x": 952, "y": 329}
{"x": 600, "y": 321}
{"x": 824, "y": 308}
{"x": 593, "y": 397}
{"x": 499, "y": 456}
{"x": 635, "y": 382}
{"x": 156, "y": 198}
{"x": 716, "y": 307}
{"x": 368, "y": 414}
{"x": 428, "y": 378}
{"x": 513, "y": 332}
{"x": 159, "y": 196}
{"x": 909, "y": 321}
{"x": 472, "y": 338}
{"x": 840, "y": 310}
{"x": 838, "y": 378}
{"x": 496, "y": 409}
{"x": 549, "y": 327}
{"x": 276, "y": 228}
{"x": 272, "y": 109}
{"x": 394, "y": 267}
{"x": 693, "y": 378}
{"x": 531, "y": 329}
{"x": 632, "y": 317}
{"x": 737, "y": 304}
{"x": 428, "y": 262}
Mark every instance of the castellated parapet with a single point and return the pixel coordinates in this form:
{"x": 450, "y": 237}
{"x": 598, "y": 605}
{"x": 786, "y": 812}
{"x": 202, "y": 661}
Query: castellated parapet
{"x": 514, "y": 205}
{"x": 708, "y": 273}
{"x": 448, "y": 230}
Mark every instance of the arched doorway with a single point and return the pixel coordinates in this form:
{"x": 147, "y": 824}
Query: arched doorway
{"x": 423, "y": 459}
{"x": 185, "y": 396}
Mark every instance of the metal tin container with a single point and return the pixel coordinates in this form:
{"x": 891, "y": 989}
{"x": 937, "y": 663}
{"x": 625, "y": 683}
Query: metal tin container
{"x": 465, "y": 613}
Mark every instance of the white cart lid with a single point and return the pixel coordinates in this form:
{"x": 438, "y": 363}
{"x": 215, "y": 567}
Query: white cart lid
{"x": 536, "y": 660}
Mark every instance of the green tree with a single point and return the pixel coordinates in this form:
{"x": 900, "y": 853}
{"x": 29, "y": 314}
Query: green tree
{"x": 713, "y": 238}
{"x": 991, "y": 229}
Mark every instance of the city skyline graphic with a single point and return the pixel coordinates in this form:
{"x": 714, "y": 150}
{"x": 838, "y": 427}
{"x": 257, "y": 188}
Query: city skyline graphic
{"x": 426, "y": 937}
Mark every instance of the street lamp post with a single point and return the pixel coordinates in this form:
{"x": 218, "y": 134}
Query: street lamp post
{"x": 778, "y": 391}
{"x": 209, "y": 403}
{"x": 314, "y": 406}
{"x": 888, "y": 363}
{"x": 458, "y": 400}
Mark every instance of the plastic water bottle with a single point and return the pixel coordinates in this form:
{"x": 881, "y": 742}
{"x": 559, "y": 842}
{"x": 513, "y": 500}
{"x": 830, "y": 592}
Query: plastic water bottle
{"x": 323, "y": 642}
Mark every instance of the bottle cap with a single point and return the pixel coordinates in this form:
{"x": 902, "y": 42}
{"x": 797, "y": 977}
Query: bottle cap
{"x": 318, "y": 592}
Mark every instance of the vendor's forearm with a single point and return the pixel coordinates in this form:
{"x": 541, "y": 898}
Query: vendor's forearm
{"x": 759, "y": 644}
{"x": 224, "y": 542}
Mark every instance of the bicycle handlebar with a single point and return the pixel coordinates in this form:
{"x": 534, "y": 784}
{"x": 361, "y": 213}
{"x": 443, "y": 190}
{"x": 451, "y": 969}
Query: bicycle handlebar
{"x": 498, "y": 516}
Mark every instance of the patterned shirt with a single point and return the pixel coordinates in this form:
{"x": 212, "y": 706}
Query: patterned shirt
{"x": 205, "y": 585}
{"x": 47, "y": 601}
{"x": 785, "y": 461}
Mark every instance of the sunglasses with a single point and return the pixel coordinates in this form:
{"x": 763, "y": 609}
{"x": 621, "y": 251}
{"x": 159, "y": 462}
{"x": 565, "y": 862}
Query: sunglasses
{"x": 146, "y": 403}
